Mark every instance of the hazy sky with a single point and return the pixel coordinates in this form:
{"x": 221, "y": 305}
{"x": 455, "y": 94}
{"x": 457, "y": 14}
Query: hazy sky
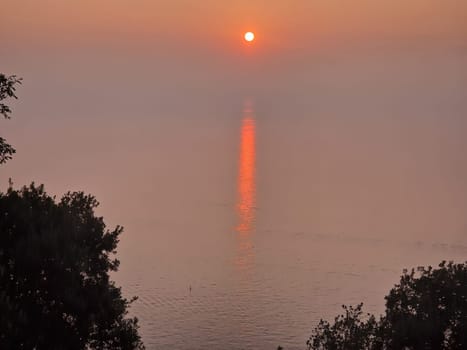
{"x": 200, "y": 42}
{"x": 216, "y": 25}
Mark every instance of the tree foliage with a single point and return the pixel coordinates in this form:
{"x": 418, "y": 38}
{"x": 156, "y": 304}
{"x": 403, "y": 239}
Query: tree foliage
{"x": 350, "y": 330}
{"x": 55, "y": 289}
{"x": 426, "y": 310}
{"x": 7, "y": 90}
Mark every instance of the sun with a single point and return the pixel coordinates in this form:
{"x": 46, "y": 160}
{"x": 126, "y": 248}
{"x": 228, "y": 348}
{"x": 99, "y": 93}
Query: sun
{"x": 249, "y": 36}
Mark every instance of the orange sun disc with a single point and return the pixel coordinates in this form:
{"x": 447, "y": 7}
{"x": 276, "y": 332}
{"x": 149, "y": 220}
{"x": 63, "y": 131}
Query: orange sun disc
{"x": 249, "y": 36}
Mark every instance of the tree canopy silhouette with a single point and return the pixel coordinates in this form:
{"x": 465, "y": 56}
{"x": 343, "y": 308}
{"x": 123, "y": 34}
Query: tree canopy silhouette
{"x": 426, "y": 310}
{"x": 7, "y": 90}
{"x": 55, "y": 290}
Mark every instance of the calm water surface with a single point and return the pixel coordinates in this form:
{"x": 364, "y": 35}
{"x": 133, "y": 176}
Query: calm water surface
{"x": 257, "y": 226}
{"x": 257, "y": 205}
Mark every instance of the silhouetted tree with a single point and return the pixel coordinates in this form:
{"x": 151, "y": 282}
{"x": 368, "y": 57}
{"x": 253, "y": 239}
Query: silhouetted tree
{"x": 350, "y": 330}
{"x": 426, "y": 310}
{"x": 7, "y": 90}
{"x": 55, "y": 290}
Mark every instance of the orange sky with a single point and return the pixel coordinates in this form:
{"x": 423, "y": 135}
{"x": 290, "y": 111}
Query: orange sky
{"x": 219, "y": 25}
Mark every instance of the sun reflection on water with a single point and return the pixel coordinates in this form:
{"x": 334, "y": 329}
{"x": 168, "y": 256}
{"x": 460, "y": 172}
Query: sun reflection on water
{"x": 246, "y": 187}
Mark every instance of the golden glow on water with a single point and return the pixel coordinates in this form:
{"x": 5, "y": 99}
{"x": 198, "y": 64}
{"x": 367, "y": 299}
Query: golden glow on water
{"x": 246, "y": 174}
{"x": 246, "y": 183}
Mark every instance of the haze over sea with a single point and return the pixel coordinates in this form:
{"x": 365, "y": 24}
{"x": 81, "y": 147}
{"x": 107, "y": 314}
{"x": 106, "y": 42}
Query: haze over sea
{"x": 261, "y": 187}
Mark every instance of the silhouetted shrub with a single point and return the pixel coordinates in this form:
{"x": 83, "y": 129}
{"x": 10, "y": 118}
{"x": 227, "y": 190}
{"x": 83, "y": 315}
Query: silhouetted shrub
{"x": 55, "y": 290}
{"x": 426, "y": 310}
